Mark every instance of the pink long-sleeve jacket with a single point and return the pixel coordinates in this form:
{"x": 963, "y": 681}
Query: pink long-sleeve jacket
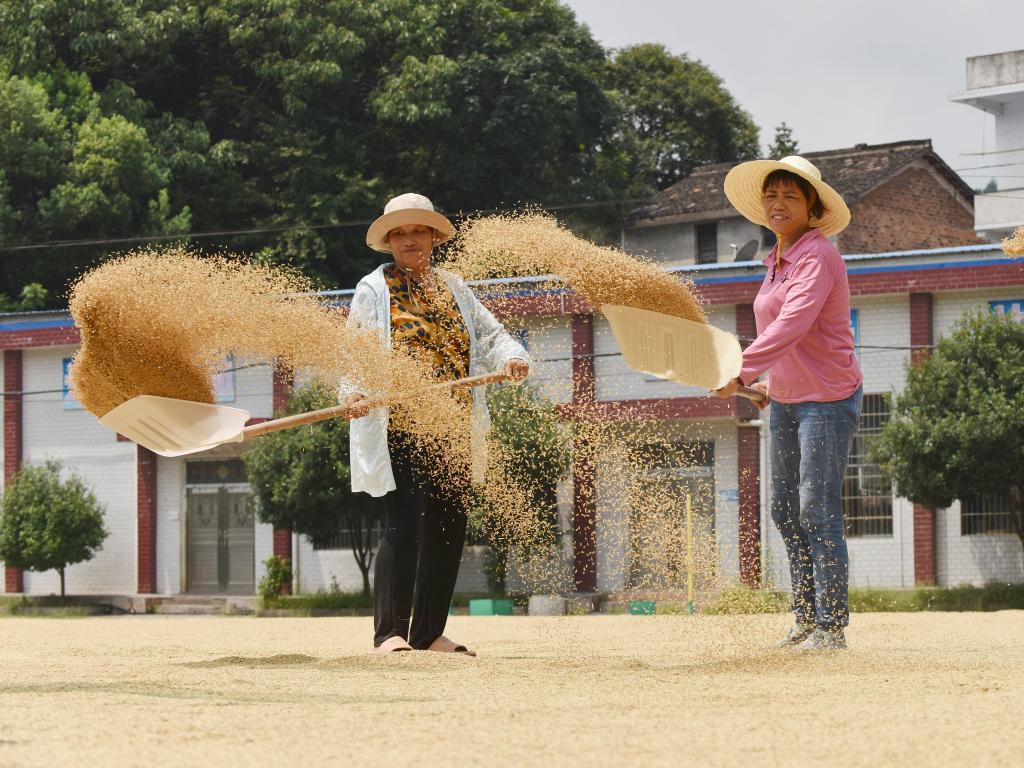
{"x": 804, "y": 340}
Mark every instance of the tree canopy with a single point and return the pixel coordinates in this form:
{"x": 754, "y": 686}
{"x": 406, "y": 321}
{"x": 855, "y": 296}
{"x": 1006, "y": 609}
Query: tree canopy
{"x": 121, "y": 118}
{"x": 49, "y": 523}
{"x": 302, "y": 479}
{"x": 957, "y": 430}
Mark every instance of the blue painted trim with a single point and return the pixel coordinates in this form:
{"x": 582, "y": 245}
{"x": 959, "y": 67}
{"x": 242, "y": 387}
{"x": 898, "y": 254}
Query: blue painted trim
{"x": 35, "y": 325}
{"x": 875, "y": 270}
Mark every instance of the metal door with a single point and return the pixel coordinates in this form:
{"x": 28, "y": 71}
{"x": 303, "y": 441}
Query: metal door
{"x": 220, "y": 540}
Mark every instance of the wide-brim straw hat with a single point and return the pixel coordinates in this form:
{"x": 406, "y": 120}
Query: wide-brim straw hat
{"x": 400, "y": 211}
{"x": 743, "y": 187}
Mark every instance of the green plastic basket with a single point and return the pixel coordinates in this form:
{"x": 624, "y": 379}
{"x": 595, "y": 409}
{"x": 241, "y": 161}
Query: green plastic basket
{"x": 490, "y": 607}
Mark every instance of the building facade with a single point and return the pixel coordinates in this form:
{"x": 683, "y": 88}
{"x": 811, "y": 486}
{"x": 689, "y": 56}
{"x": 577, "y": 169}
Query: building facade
{"x": 186, "y": 525}
{"x": 995, "y": 85}
{"x": 902, "y": 196}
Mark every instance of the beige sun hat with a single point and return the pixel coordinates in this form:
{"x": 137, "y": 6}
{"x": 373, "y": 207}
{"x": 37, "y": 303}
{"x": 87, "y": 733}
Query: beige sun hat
{"x": 743, "y": 188}
{"x": 409, "y": 208}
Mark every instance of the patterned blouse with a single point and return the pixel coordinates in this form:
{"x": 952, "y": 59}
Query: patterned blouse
{"x": 426, "y": 320}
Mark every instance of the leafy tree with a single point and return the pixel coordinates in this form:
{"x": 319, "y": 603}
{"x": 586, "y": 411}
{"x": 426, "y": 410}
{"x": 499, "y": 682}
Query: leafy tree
{"x": 182, "y": 116}
{"x": 535, "y": 450}
{"x": 48, "y": 522}
{"x": 784, "y": 144}
{"x": 680, "y": 111}
{"x": 302, "y": 479}
{"x": 957, "y": 430}
{"x": 32, "y": 296}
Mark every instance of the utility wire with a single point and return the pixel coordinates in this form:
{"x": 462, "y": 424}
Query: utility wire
{"x": 49, "y": 244}
{"x": 26, "y": 393}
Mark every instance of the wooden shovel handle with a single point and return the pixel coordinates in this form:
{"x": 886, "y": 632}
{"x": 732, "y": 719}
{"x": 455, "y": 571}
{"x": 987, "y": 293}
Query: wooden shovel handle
{"x": 342, "y": 411}
{"x": 759, "y": 397}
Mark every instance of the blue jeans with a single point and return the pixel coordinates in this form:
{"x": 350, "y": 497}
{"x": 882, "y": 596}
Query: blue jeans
{"x": 810, "y": 447}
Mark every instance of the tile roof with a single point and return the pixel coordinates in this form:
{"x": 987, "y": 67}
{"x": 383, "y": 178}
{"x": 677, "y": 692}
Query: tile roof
{"x": 852, "y": 172}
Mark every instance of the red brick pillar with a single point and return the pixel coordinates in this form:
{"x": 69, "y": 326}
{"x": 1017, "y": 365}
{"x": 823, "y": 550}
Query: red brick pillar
{"x": 145, "y": 504}
{"x": 921, "y": 339}
{"x": 924, "y": 545}
{"x": 748, "y": 441}
{"x": 13, "y": 441}
{"x": 749, "y": 465}
{"x": 584, "y": 517}
{"x": 282, "y": 388}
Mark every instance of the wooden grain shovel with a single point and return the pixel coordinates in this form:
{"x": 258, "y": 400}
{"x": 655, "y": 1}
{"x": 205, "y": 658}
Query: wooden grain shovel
{"x": 679, "y": 350}
{"x": 171, "y": 427}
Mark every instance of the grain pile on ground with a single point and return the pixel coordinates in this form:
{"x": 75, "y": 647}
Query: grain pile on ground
{"x": 536, "y": 244}
{"x": 913, "y": 689}
{"x": 160, "y": 322}
{"x": 1014, "y": 245}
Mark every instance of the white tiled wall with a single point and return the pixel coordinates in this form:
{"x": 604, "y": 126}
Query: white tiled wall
{"x": 76, "y": 438}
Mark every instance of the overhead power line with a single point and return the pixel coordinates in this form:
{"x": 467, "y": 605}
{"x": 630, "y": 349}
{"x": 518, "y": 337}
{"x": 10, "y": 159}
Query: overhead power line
{"x": 50, "y": 244}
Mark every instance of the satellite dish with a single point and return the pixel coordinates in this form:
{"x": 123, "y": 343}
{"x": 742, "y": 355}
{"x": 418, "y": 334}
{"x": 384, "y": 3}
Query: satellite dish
{"x": 746, "y": 253}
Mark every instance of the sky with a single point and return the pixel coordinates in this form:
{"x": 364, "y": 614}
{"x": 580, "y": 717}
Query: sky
{"x": 839, "y": 74}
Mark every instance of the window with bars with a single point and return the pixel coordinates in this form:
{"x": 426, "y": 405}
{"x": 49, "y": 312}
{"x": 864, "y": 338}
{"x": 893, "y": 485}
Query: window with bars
{"x": 986, "y": 514}
{"x": 867, "y": 494}
{"x": 342, "y": 538}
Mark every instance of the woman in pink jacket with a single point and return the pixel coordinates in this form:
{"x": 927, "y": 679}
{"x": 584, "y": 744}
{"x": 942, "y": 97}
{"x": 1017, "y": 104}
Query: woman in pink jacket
{"x": 805, "y": 345}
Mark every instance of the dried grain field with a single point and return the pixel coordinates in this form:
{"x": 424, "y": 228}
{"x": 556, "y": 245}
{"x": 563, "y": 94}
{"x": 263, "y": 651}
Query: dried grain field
{"x": 914, "y": 689}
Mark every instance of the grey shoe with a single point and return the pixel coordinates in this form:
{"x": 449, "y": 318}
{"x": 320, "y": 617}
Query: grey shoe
{"x": 824, "y": 640}
{"x": 797, "y": 634}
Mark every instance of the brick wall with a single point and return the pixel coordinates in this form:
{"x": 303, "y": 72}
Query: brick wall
{"x": 749, "y": 478}
{"x": 146, "y": 490}
{"x": 13, "y": 436}
{"x": 914, "y": 209}
{"x": 584, "y": 521}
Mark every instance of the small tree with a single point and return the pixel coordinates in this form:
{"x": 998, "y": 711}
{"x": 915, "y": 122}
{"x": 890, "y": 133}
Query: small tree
{"x": 957, "y": 430}
{"x": 535, "y": 451}
{"x": 302, "y": 477}
{"x": 784, "y": 144}
{"x": 48, "y": 523}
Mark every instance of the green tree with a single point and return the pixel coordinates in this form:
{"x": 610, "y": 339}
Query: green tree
{"x": 957, "y": 430}
{"x": 535, "y": 454}
{"x": 784, "y": 144}
{"x": 303, "y": 117}
{"x": 302, "y": 480}
{"x": 49, "y": 523}
{"x": 680, "y": 111}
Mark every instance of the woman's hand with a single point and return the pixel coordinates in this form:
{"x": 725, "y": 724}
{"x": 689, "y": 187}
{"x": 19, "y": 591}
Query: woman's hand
{"x": 356, "y": 405}
{"x": 729, "y": 389}
{"x": 517, "y": 370}
{"x": 761, "y": 386}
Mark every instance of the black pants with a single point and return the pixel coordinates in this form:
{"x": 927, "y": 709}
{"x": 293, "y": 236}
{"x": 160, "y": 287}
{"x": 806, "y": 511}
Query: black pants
{"x": 418, "y": 559}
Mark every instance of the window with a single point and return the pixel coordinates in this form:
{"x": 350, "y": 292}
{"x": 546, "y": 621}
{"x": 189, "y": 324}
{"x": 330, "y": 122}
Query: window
{"x": 707, "y": 243}
{"x": 982, "y": 515}
{"x": 867, "y": 494}
{"x": 342, "y": 538}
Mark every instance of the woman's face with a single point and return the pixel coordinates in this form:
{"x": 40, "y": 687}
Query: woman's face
{"x": 411, "y": 245}
{"x": 786, "y": 209}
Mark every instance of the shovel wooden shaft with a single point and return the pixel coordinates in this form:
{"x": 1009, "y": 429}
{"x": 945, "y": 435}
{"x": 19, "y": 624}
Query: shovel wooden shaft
{"x": 759, "y": 397}
{"x": 343, "y": 411}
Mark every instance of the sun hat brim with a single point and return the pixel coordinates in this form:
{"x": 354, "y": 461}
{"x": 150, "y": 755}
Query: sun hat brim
{"x": 377, "y": 234}
{"x": 743, "y": 188}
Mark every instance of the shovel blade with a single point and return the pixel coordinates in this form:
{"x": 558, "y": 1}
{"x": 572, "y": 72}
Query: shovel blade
{"x": 171, "y": 427}
{"x": 684, "y": 351}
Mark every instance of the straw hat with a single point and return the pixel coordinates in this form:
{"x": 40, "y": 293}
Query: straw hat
{"x": 409, "y": 208}
{"x": 743, "y": 188}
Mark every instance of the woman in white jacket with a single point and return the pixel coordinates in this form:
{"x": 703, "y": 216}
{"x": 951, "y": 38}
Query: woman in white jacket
{"x": 410, "y": 302}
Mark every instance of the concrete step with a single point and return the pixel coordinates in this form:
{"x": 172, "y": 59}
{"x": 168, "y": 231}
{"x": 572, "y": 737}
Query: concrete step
{"x": 190, "y": 609}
